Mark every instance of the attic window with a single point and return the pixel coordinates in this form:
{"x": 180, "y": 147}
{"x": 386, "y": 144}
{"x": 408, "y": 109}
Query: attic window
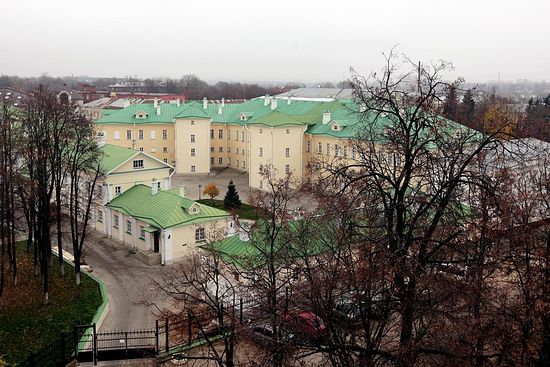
{"x": 334, "y": 127}
{"x": 140, "y": 115}
{"x": 194, "y": 210}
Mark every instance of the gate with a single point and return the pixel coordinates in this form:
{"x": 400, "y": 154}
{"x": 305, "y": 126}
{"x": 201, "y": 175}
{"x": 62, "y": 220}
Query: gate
{"x": 92, "y": 346}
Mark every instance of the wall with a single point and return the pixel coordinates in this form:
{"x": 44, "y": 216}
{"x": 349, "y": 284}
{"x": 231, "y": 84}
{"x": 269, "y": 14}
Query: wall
{"x": 152, "y": 142}
{"x": 185, "y": 128}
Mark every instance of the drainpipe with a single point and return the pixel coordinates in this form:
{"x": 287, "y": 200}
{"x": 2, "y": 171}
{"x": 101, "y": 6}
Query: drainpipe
{"x": 248, "y": 154}
{"x": 163, "y": 253}
{"x": 302, "y": 155}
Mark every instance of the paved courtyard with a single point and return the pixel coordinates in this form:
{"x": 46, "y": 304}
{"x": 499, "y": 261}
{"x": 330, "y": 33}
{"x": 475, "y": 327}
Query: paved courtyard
{"x": 220, "y": 177}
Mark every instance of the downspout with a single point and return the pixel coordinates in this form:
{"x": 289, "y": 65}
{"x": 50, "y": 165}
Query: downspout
{"x": 302, "y": 155}
{"x": 248, "y": 169}
{"x": 163, "y": 254}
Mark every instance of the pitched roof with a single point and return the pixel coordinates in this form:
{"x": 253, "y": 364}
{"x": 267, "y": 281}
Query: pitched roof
{"x": 192, "y": 109}
{"x": 163, "y": 210}
{"x": 127, "y": 115}
{"x": 113, "y": 156}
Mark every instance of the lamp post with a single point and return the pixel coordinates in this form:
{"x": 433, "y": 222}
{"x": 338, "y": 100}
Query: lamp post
{"x": 200, "y": 191}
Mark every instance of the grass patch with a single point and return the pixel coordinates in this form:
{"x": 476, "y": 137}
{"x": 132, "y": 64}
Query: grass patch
{"x": 26, "y": 324}
{"x": 246, "y": 211}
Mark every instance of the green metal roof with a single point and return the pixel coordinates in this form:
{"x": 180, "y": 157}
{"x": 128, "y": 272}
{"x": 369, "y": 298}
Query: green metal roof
{"x": 165, "y": 209}
{"x": 127, "y": 115}
{"x": 113, "y": 156}
{"x": 193, "y": 109}
{"x": 276, "y": 118}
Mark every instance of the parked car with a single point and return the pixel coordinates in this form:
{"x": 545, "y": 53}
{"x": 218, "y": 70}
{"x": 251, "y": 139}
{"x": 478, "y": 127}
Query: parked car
{"x": 264, "y": 336}
{"x": 305, "y": 323}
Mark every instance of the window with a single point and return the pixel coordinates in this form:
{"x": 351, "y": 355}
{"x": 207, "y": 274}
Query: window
{"x": 288, "y": 131}
{"x": 287, "y": 152}
{"x": 164, "y": 134}
{"x": 192, "y": 152}
{"x": 153, "y": 149}
{"x": 237, "y": 163}
{"x": 228, "y": 134}
{"x": 192, "y": 138}
{"x": 199, "y": 234}
{"x": 158, "y": 185}
{"x": 211, "y": 133}
{"x": 211, "y": 161}
{"x": 287, "y": 168}
{"x": 192, "y": 122}
{"x": 229, "y": 161}
{"x": 328, "y": 149}
{"x": 242, "y": 135}
{"x": 165, "y": 160}
{"x": 128, "y": 134}
{"x": 228, "y": 149}
{"x": 220, "y": 134}
{"x": 212, "y": 149}
{"x": 261, "y": 131}
{"x": 100, "y": 216}
{"x": 237, "y": 135}
{"x": 242, "y": 151}
{"x": 129, "y": 226}
{"x": 192, "y": 168}
{"x": 141, "y": 232}
{"x": 308, "y": 146}
{"x": 261, "y": 152}
{"x": 243, "y": 164}
{"x": 141, "y": 149}
{"x": 220, "y": 160}
{"x": 345, "y": 151}
{"x": 117, "y": 135}
{"x": 165, "y": 149}
{"x": 220, "y": 149}
{"x": 140, "y": 134}
{"x": 138, "y": 163}
{"x": 153, "y": 134}
{"x": 336, "y": 150}
{"x": 261, "y": 185}
{"x": 319, "y": 148}
{"x": 353, "y": 152}
{"x": 118, "y": 190}
{"x": 115, "y": 220}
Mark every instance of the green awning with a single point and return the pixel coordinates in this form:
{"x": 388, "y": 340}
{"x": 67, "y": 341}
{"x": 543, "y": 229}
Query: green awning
{"x": 150, "y": 229}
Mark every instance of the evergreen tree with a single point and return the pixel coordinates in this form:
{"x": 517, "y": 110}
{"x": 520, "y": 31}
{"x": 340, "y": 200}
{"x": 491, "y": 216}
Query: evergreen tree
{"x": 450, "y": 106}
{"x": 231, "y": 200}
{"x": 468, "y": 106}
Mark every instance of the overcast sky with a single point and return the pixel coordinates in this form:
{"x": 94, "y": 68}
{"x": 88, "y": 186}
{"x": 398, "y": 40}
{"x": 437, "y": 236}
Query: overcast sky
{"x": 272, "y": 40}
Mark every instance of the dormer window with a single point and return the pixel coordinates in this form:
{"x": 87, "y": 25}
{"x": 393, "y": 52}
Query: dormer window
{"x": 140, "y": 115}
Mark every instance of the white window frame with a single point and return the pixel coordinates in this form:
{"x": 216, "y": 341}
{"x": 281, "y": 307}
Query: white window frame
{"x": 200, "y": 234}
{"x": 138, "y": 163}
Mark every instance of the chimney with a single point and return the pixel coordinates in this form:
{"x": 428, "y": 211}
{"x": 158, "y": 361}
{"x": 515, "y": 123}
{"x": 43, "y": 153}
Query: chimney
{"x": 178, "y": 102}
{"x": 181, "y": 190}
{"x": 154, "y": 187}
{"x": 273, "y": 103}
{"x": 204, "y": 103}
{"x": 220, "y": 110}
{"x": 155, "y": 102}
{"x": 266, "y": 100}
{"x": 326, "y": 117}
{"x": 158, "y": 110}
{"x": 288, "y": 100}
{"x": 223, "y": 102}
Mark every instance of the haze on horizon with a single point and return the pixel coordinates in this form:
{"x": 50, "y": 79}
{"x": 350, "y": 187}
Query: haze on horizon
{"x": 307, "y": 41}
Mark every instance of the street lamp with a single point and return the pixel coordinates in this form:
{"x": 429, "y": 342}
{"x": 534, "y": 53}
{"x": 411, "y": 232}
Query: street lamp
{"x": 200, "y": 191}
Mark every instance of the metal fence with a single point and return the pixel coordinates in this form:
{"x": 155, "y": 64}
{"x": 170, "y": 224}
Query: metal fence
{"x": 57, "y": 353}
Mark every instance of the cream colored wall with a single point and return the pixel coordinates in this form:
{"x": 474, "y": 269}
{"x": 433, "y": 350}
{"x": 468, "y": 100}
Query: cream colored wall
{"x": 217, "y": 143}
{"x": 183, "y": 237}
{"x": 152, "y": 143}
{"x": 183, "y": 131}
{"x": 274, "y": 142}
{"x": 237, "y": 146}
{"x": 312, "y": 158}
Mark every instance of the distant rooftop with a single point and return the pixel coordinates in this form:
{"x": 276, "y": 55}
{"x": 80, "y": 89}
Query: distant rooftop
{"x": 317, "y": 94}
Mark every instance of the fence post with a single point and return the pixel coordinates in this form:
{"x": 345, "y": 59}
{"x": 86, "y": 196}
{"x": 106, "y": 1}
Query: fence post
{"x": 32, "y": 362}
{"x": 75, "y": 342}
{"x": 62, "y": 337}
{"x": 94, "y": 346}
{"x": 189, "y": 330}
{"x": 241, "y": 309}
{"x": 167, "y": 346}
{"x": 157, "y": 336}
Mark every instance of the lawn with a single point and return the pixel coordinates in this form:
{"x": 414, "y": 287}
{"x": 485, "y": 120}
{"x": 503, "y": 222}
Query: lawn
{"x": 26, "y": 324}
{"x": 245, "y": 212}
